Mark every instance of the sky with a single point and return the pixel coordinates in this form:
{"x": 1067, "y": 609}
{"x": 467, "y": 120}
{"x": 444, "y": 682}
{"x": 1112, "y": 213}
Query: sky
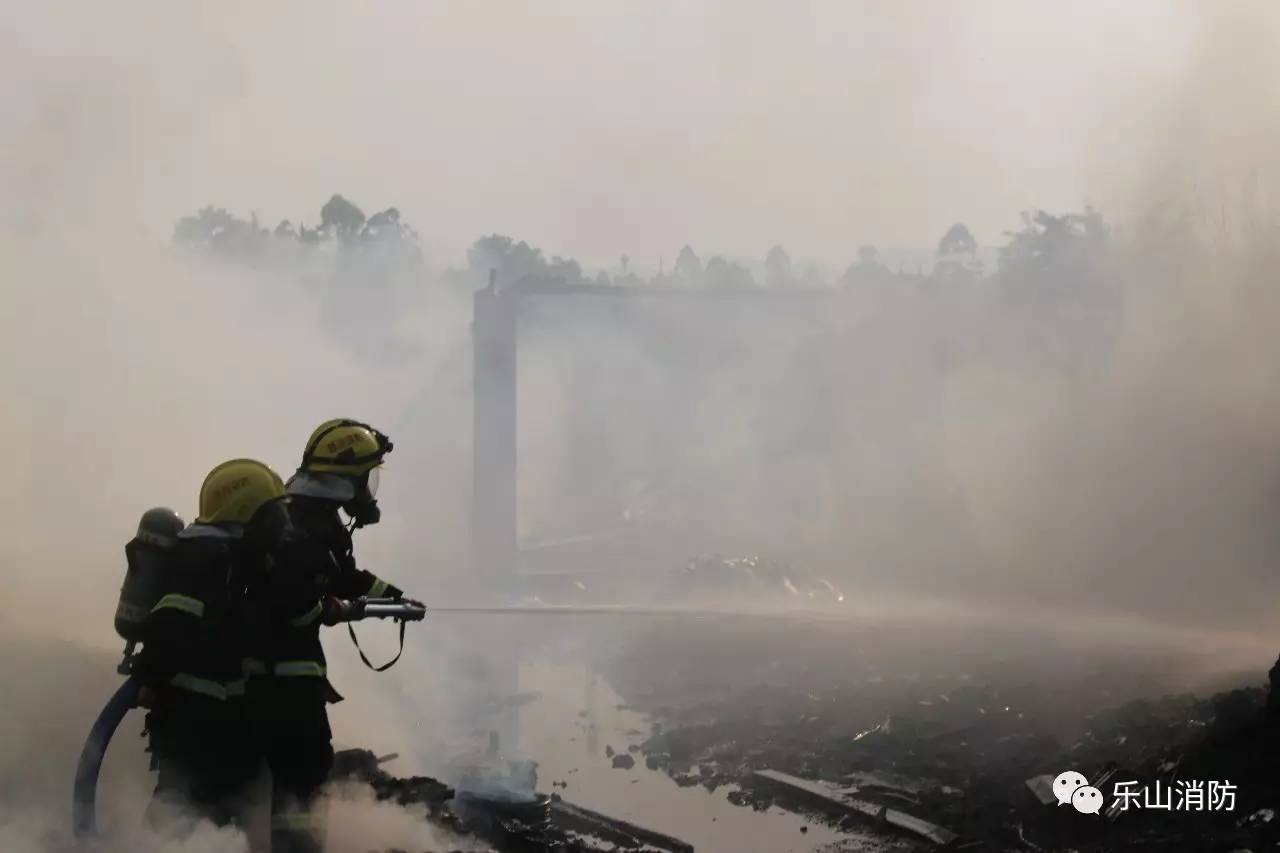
{"x": 598, "y": 128}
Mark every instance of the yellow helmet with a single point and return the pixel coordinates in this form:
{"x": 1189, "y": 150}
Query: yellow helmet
{"x": 344, "y": 446}
{"x": 235, "y": 490}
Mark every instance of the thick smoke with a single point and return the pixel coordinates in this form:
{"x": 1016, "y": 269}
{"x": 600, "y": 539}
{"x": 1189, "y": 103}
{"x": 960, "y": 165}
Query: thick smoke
{"x": 129, "y": 371}
{"x": 1110, "y": 448}
{"x": 1155, "y": 486}
{"x": 1074, "y": 434}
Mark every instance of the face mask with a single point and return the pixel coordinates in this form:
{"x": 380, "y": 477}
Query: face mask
{"x": 363, "y": 509}
{"x": 363, "y": 512}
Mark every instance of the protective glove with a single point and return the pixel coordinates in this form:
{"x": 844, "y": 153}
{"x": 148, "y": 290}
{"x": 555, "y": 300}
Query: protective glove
{"x": 147, "y": 697}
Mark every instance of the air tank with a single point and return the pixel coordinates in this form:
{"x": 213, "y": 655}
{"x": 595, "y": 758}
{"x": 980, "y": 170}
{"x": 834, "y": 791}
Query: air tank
{"x": 144, "y": 579}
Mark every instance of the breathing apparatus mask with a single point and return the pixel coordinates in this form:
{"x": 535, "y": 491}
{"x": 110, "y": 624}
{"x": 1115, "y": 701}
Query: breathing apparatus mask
{"x": 363, "y": 508}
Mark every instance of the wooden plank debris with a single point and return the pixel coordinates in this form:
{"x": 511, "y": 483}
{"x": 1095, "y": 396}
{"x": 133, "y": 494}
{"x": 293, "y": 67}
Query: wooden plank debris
{"x": 586, "y": 822}
{"x": 831, "y": 797}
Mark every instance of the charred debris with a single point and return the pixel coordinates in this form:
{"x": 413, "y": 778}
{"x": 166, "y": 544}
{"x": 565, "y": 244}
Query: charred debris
{"x": 504, "y": 811}
{"x": 949, "y": 743}
{"x": 966, "y": 773}
{"x": 931, "y": 742}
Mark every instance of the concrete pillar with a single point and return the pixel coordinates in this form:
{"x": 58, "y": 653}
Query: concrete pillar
{"x": 493, "y": 498}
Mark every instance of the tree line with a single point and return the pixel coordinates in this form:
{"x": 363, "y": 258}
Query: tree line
{"x": 1052, "y": 249}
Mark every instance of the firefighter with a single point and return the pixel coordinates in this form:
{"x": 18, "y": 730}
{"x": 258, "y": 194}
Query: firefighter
{"x": 190, "y": 663}
{"x": 313, "y": 582}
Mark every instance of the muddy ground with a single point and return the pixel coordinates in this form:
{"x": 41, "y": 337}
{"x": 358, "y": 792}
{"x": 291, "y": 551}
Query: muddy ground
{"x": 941, "y": 721}
{"x": 949, "y": 724}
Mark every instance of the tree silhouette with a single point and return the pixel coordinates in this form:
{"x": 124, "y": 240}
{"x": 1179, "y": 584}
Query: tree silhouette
{"x": 380, "y": 257}
{"x": 957, "y": 241}
{"x": 341, "y": 217}
{"x": 566, "y": 270}
{"x": 723, "y": 274}
{"x": 384, "y": 236}
{"x": 1055, "y": 251}
{"x": 957, "y": 256}
{"x": 777, "y": 268}
{"x": 382, "y": 224}
{"x": 688, "y": 268}
{"x": 867, "y": 269}
{"x": 216, "y": 230}
{"x": 516, "y": 262}
{"x": 626, "y": 278}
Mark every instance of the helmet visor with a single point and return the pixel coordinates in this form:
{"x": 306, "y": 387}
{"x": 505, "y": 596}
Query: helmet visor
{"x": 371, "y": 484}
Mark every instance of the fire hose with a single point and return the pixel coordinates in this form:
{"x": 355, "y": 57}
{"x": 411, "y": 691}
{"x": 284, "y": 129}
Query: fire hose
{"x": 126, "y": 697}
{"x": 84, "y": 800}
{"x": 85, "y": 794}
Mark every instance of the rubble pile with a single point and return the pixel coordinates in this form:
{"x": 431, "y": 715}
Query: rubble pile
{"x": 508, "y": 824}
{"x": 360, "y": 766}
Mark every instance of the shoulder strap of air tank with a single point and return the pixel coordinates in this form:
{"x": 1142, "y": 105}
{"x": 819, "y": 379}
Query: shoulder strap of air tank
{"x": 386, "y": 666}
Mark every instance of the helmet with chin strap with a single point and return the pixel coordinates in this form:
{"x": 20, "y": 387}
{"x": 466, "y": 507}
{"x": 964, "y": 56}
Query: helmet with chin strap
{"x": 341, "y": 463}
